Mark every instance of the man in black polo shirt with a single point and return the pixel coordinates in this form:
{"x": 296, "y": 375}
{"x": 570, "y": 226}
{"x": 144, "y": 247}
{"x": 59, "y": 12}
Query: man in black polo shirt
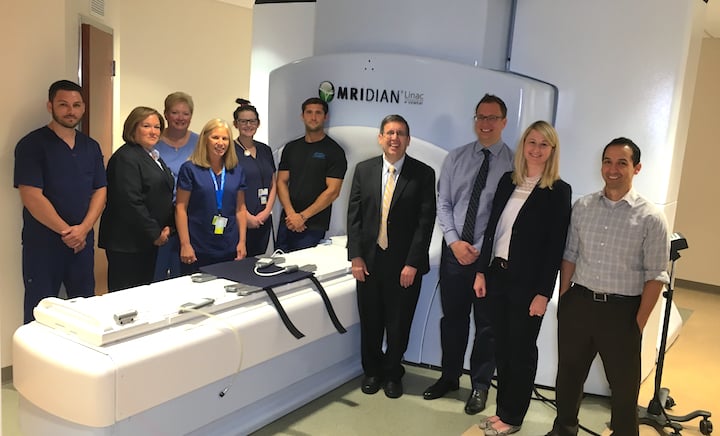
{"x": 310, "y": 176}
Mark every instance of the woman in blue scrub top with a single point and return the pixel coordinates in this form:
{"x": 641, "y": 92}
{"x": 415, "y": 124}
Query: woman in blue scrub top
{"x": 257, "y": 161}
{"x": 210, "y": 208}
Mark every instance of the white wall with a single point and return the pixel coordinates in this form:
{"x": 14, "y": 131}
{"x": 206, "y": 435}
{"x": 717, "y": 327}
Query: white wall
{"x": 30, "y": 63}
{"x": 200, "y": 47}
{"x": 161, "y": 46}
{"x": 469, "y": 32}
{"x": 698, "y": 209}
{"x": 282, "y": 33}
{"x": 622, "y": 69}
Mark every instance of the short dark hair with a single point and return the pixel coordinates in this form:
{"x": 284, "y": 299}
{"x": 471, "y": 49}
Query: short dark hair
{"x": 315, "y": 100}
{"x": 244, "y": 105}
{"x": 625, "y": 141}
{"x": 394, "y": 118}
{"x": 489, "y": 98}
{"x": 63, "y": 85}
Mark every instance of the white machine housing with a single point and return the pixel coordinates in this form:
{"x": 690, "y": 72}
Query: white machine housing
{"x": 166, "y": 377}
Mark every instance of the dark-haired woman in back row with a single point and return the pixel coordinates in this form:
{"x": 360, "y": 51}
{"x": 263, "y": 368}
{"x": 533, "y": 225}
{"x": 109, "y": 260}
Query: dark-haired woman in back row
{"x": 257, "y": 162}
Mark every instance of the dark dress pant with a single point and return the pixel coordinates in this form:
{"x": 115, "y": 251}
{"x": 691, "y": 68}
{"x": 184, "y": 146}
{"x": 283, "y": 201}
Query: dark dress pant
{"x": 516, "y": 352}
{"x": 458, "y": 298}
{"x": 128, "y": 270}
{"x": 585, "y": 328}
{"x": 386, "y": 309}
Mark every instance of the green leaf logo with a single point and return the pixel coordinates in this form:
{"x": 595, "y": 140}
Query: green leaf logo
{"x": 326, "y": 91}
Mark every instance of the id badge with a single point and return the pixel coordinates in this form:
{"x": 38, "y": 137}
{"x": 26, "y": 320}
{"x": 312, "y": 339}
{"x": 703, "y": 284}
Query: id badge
{"x": 263, "y": 195}
{"x": 220, "y": 222}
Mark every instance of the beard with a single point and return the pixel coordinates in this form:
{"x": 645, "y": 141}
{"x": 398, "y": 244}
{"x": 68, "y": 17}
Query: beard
{"x": 315, "y": 129}
{"x": 70, "y": 123}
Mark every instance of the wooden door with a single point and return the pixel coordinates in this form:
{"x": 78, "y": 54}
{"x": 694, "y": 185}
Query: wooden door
{"x": 97, "y": 82}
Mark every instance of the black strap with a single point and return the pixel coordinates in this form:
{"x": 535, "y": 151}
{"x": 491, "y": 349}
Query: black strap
{"x": 283, "y": 315}
{"x": 328, "y": 305}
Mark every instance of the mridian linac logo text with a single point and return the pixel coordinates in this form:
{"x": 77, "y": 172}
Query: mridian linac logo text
{"x": 328, "y": 92}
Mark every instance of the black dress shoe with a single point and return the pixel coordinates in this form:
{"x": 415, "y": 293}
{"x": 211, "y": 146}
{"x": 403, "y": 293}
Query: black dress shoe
{"x": 440, "y": 388}
{"x": 370, "y": 384}
{"x": 476, "y": 401}
{"x": 393, "y": 389}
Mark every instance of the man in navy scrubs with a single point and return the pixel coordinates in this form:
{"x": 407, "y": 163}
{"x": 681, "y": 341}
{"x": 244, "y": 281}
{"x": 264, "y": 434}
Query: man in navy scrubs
{"x": 60, "y": 175}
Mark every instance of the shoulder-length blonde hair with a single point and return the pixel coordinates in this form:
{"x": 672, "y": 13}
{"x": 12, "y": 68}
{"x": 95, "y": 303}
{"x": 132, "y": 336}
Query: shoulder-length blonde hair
{"x": 551, "y": 173}
{"x": 199, "y": 156}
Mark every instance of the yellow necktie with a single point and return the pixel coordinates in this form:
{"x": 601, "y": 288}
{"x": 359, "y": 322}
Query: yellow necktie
{"x": 387, "y": 199}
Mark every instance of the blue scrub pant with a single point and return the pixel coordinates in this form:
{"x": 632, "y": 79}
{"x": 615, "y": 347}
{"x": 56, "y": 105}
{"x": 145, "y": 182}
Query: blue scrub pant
{"x": 204, "y": 260}
{"x": 167, "y": 265}
{"x": 47, "y": 266}
{"x": 257, "y": 239}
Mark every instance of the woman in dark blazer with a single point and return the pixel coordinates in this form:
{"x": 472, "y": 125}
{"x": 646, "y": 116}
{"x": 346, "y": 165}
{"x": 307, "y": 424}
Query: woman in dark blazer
{"x": 139, "y": 211}
{"x": 518, "y": 265}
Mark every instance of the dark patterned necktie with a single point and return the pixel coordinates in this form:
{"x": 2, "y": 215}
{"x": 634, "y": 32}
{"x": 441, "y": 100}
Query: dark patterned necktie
{"x": 468, "y": 231}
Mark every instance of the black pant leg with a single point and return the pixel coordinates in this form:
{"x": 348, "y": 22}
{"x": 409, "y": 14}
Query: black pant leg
{"x": 619, "y": 344}
{"x": 399, "y": 305}
{"x": 576, "y": 351}
{"x": 372, "y": 321}
{"x": 516, "y": 335}
{"x": 127, "y": 270}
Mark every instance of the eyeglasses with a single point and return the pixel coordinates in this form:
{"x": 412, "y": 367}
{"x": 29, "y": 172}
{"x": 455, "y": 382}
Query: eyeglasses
{"x": 252, "y": 122}
{"x": 400, "y": 133}
{"x": 490, "y": 118}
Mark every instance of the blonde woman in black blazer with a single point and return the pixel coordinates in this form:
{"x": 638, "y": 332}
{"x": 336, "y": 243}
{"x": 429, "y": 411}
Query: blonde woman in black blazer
{"x": 139, "y": 211}
{"x": 518, "y": 265}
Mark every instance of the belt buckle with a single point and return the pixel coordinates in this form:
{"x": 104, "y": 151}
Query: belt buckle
{"x": 600, "y": 297}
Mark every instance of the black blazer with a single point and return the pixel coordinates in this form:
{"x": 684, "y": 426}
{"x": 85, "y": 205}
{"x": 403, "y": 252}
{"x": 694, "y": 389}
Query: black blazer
{"x": 410, "y": 219}
{"x": 538, "y": 236}
{"x": 139, "y": 201}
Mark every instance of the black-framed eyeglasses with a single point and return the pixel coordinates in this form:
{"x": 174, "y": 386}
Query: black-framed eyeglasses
{"x": 490, "y": 118}
{"x": 252, "y": 122}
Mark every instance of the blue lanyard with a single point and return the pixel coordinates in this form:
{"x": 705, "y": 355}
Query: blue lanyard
{"x": 218, "y": 192}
